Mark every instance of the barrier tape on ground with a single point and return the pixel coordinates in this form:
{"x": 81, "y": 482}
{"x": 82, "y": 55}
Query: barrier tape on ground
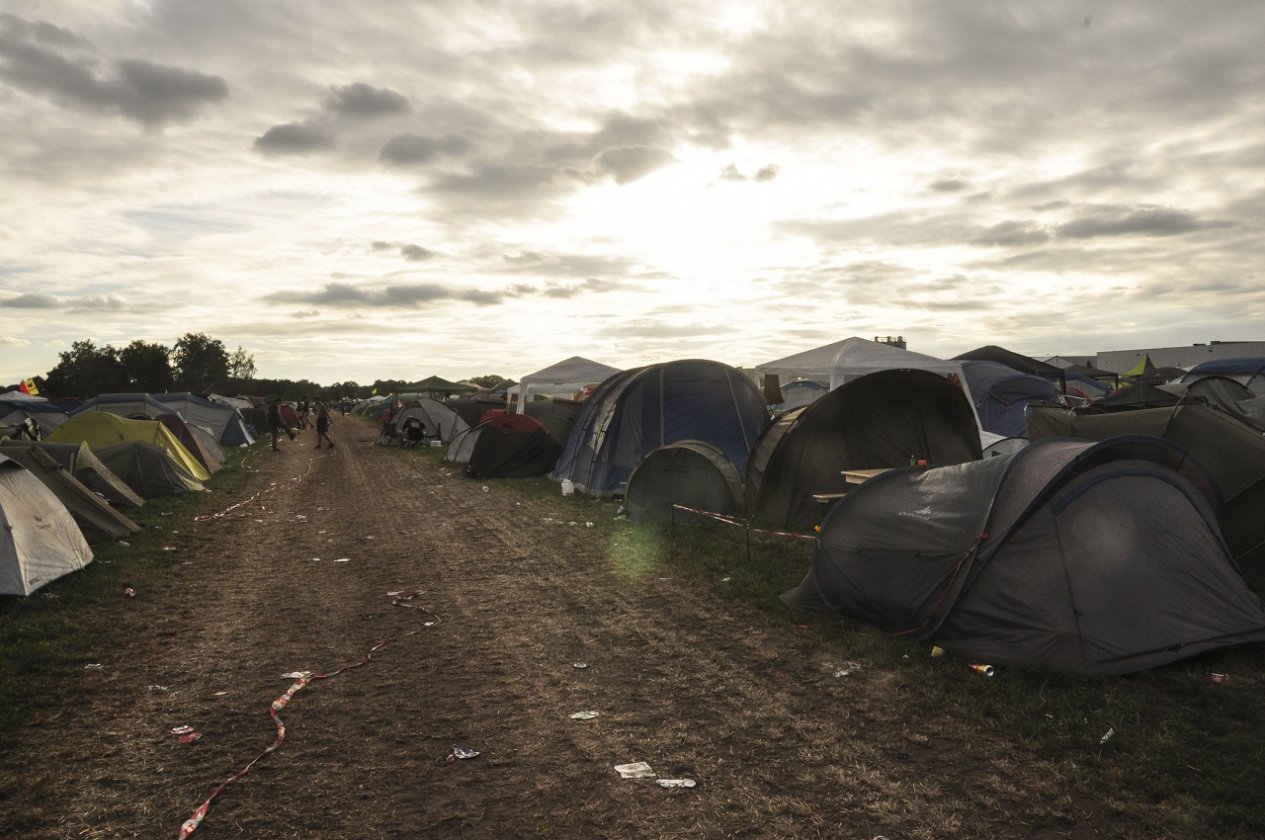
{"x": 732, "y": 520}
{"x": 399, "y": 598}
{"x": 207, "y": 517}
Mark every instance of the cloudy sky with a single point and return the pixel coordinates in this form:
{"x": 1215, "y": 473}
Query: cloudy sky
{"x": 381, "y": 188}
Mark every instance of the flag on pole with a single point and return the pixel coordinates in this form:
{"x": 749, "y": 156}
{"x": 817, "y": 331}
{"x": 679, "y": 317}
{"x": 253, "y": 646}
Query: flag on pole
{"x": 28, "y": 387}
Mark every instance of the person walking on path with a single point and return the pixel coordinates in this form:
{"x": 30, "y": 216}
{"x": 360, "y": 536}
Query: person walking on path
{"x": 276, "y": 424}
{"x": 322, "y": 425}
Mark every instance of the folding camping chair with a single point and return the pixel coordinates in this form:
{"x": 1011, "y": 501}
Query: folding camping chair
{"x": 414, "y": 433}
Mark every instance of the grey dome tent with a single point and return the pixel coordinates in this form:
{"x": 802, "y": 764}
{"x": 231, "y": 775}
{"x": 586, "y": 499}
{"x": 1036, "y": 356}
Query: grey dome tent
{"x": 1098, "y": 558}
{"x": 1231, "y": 450}
{"x": 39, "y": 540}
{"x": 78, "y": 459}
{"x": 439, "y": 420}
{"x": 690, "y": 473}
{"x": 882, "y": 419}
{"x": 635, "y": 412}
{"x": 96, "y": 519}
{"x": 1002, "y": 395}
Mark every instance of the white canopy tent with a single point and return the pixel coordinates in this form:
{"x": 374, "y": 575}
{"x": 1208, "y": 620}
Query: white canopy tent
{"x": 854, "y": 357}
{"x": 561, "y": 379}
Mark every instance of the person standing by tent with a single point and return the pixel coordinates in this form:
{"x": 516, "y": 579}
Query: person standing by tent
{"x": 276, "y": 424}
{"x": 322, "y": 424}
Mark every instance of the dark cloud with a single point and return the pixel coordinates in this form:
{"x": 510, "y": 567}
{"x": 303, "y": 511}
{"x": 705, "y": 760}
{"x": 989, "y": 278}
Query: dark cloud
{"x": 48, "y": 61}
{"x": 584, "y": 266}
{"x": 32, "y": 301}
{"x": 412, "y": 149}
{"x": 767, "y": 173}
{"x": 627, "y": 164}
{"x": 1136, "y": 221}
{"x": 946, "y": 185}
{"x": 362, "y": 101}
{"x": 293, "y": 139}
{"x": 96, "y": 303}
{"x": 1011, "y": 234}
{"x": 591, "y": 286}
{"x": 732, "y": 173}
{"x": 400, "y": 296}
{"x": 416, "y": 253}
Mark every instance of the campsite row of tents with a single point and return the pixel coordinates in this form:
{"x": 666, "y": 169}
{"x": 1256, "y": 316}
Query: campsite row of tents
{"x": 73, "y": 486}
{"x": 1050, "y": 550}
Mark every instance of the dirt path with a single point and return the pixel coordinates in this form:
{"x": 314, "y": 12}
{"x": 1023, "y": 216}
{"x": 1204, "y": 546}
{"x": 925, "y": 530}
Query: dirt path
{"x": 779, "y": 744}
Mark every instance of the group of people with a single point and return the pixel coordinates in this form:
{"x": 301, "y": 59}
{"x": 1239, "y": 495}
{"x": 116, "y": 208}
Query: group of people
{"x": 278, "y": 424}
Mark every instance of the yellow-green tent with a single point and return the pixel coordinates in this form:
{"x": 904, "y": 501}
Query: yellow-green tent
{"x": 1142, "y": 368}
{"x": 100, "y": 429}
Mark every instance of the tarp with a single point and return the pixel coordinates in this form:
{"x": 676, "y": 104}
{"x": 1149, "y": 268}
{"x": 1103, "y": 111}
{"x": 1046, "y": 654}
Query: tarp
{"x": 1068, "y": 555}
{"x": 689, "y": 473}
{"x": 1014, "y": 361}
{"x": 39, "y": 540}
{"x": 637, "y": 411}
{"x": 100, "y": 429}
{"x": 561, "y": 379}
{"x": 439, "y": 385}
{"x": 886, "y": 419}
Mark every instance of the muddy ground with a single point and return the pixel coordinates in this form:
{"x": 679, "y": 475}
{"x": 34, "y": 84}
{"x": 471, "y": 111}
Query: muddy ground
{"x": 752, "y": 708}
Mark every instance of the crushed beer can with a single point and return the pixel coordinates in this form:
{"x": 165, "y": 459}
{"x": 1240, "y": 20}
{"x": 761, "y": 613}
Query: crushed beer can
{"x": 981, "y": 668}
{"x": 675, "y": 783}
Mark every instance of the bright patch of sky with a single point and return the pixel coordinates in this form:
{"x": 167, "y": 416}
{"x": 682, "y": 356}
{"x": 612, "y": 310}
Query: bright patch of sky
{"x": 384, "y": 190}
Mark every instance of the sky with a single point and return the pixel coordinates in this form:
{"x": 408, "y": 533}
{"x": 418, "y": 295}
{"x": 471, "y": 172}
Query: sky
{"x": 382, "y": 189}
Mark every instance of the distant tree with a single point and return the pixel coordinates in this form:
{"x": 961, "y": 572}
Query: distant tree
{"x": 490, "y": 380}
{"x": 146, "y": 367}
{"x": 241, "y": 365}
{"x": 200, "y": 361}
{"x": 86, "y": 370}
{"x": 389, "y": 386}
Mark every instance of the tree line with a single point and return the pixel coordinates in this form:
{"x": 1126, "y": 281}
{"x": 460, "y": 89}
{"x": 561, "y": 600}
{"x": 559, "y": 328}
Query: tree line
{"x": 196, "y": 363}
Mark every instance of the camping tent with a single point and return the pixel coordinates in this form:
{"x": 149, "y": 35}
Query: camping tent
{"x": 1012, "y": 360}
{"x": 14, "y": 411}
{"x": 1002, "y": 395}
{"x": 131, "y": 406}
{"x": 99, "y": 429}
{"x": 198, "y": 441}
{"x": 637, "y": 411}
{"x": 96, "y": 519}
{"x": 148, "y": 469}
{"x": 226, "y": 422}
{"x": 39, "y": 540}
{"x": 439, "y": 419}
{"x": 561, "y": 379}
{"x": 439, "y": 385}
{"x": 859, "y": 357}
{"x": 1100, "y": 558}
{"x": 881, "y": 420}
{"x": 83, "y": 465}
{"x": 505, "y": 446}
{"x": 1248, "y": 371}
{"x": 557, "y": 415}
{"x": 690, "y": 473}
{"x": 1231, "y": 450}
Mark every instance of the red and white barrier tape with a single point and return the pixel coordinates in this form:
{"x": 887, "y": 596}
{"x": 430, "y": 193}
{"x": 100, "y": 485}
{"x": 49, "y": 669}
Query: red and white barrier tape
{"x": 207, "y": 517}
{"x": 399, "y": 599}
{"x": 732, "y": 520}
